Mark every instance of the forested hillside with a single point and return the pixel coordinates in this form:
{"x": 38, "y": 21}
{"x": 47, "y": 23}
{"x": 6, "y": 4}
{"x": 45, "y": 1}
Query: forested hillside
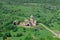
{"x": 52, "y": 2}
{"x": 44, "y": 11}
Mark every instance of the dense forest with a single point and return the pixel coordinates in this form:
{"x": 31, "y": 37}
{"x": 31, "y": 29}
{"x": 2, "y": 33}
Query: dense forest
{"x": 44, "y": 11}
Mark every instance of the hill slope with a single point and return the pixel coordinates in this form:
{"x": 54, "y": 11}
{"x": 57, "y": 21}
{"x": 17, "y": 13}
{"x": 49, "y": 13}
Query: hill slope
{"x": 46, "y": 12}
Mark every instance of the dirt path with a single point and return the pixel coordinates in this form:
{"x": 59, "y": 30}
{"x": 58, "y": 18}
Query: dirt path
{"x": 54, "y": 33}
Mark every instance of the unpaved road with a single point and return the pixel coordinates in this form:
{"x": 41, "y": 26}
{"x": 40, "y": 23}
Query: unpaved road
{"x": 57, "y": 35}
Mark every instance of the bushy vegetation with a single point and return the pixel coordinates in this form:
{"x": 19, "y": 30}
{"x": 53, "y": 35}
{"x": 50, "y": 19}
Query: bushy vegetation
{"x": 46, "y": 12}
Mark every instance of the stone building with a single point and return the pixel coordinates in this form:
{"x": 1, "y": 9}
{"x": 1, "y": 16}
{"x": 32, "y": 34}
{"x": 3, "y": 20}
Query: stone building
{"x": 27, "y": 22}
{"x": 30, "y": 22}
{"x": 16, "y": 22}
{"x": 33, "y": 22}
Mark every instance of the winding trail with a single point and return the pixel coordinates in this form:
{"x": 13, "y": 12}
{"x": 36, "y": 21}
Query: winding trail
{"x": 54, "y": 33}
